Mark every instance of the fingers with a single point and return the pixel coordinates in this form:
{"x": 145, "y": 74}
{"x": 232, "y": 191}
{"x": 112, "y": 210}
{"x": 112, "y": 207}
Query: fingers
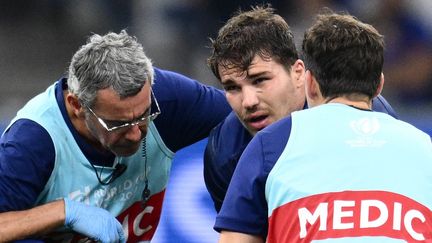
{"x": 94, "y": 222}
{"x": 113, "y": 232}
{"x": 121, "y": 235}
{"x": 117, "y": 232}
{"x": 122, "y": 238}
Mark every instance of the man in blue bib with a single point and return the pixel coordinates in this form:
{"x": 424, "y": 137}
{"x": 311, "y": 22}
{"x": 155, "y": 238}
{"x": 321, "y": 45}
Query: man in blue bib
{"x": 90, "y": 156}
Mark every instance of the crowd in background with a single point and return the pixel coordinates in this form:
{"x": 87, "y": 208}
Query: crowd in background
{"x": 37, "y": 38}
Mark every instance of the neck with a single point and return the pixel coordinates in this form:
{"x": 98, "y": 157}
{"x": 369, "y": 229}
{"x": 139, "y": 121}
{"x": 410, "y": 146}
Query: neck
{"x": 364, "y": 104}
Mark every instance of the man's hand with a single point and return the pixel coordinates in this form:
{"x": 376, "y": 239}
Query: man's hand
{"x": 96, "y": 223}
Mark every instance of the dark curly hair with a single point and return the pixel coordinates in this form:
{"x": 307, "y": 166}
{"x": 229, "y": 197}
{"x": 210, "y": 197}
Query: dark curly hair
{"x": 258, "y": 31}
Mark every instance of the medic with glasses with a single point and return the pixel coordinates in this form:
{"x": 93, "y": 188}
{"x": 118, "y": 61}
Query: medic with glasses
{"x": 87, "y": 158}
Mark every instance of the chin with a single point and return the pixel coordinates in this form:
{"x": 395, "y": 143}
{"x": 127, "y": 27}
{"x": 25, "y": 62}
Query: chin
{"x": 124, "y": 152}
{"x": 252, "y": 131}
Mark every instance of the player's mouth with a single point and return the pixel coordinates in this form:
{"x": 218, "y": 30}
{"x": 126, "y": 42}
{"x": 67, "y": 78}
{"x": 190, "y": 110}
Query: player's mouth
{"x": 258, "y": 122}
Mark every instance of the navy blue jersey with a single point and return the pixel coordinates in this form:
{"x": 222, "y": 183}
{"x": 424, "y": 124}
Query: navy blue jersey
{"x": 226, "y": 144}
{"x": 27, "y": 151}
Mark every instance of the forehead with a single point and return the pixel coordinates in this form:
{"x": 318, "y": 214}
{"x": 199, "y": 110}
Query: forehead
{"x": 109, "y": 104}
{"x": 258, "y": 66}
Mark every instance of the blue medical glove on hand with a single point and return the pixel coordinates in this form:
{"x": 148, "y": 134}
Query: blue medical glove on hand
{"x": 96, "y": 223}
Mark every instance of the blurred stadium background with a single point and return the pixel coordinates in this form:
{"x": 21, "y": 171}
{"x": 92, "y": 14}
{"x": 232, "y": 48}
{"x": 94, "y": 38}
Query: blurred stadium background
{"x": 38, "y": 38}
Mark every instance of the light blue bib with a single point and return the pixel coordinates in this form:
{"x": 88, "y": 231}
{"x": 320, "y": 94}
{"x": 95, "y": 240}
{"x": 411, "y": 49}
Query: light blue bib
{"x": 73, "y": 176}
{"x": 350, "y": 173}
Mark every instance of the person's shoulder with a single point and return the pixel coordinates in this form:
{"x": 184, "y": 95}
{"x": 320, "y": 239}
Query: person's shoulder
{"x": 190, "y": 110}
{"x": 27, "y": 131}
{"x": 28, "y": 151}
{"x": 30, "y": 135}
{"x": 172, "y": 86}
{"x": 166, "y": 86}
{"x": 408, "y": 129}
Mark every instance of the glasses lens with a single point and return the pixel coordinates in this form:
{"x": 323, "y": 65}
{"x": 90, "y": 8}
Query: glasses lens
{"x": 112, "y": 126}
{"x": 144, "y": 121}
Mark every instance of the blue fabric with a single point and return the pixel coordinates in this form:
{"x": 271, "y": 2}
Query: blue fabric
{"x": 188, "y": 109}
{"x": 224, "y": 147}
{"x": 25, "y": 148}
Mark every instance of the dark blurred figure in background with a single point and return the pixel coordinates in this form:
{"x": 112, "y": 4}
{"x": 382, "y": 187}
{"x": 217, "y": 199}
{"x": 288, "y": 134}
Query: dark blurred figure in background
{"x": 198, "y": 19}
{"x": 408, "y": 47}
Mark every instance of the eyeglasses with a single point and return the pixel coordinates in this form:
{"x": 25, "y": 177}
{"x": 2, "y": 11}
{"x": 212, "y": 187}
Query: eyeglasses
{"x": 116, "y": 126}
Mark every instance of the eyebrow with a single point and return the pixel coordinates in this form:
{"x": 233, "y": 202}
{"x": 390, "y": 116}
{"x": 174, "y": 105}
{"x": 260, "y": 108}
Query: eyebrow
{"x": 128, "y": 121}
{"x": 248, "y": 76}
{"x": 227, "y": 82}
{"x": 258, "y": 74}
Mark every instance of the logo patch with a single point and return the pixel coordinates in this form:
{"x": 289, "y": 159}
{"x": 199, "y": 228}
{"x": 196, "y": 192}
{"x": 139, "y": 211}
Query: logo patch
{"x": 365, "y": 128}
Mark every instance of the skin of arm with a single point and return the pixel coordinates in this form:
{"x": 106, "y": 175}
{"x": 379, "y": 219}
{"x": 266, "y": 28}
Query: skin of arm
{"x": 16, "y": 225}
{"x": 229, "y": 236}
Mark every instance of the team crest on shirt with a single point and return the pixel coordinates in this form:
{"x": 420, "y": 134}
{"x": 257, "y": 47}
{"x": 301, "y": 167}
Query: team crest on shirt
{"x": 365, "y": 128}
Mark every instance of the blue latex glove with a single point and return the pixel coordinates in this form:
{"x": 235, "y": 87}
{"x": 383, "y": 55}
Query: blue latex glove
{"x": 96, "y": 223}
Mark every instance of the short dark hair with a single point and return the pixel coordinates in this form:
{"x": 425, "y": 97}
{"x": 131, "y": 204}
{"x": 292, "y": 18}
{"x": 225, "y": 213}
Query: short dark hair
{"x": 345, "y": 55}
{"x": 258, "y": 31}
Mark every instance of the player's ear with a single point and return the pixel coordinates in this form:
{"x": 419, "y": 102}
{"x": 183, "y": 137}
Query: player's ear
{"x": 298, "y": 69}
{"x": 380, "y": 85}
{"x": 312, "y": 90}
{"x": 311, "y": 85}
